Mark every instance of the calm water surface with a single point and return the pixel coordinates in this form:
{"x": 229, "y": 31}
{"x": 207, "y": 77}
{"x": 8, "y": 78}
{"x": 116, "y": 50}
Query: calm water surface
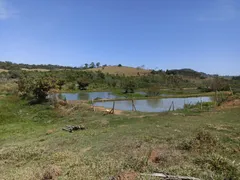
{"x": 89, "y": 95}
{"x": 154, "y": 105}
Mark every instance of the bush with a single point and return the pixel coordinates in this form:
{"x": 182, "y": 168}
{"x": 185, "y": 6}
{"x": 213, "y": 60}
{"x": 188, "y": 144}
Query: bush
{"x": 71, "y": 86}
{"x": 60, "y": 83}
{"x": 37, "y": 87}
{"x": 83, "y": 83}
{"x": 129, "y": 86}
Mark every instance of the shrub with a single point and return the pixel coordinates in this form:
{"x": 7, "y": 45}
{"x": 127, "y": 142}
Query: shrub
{"x": 83, "y": 83}
{"x": 129, "y": 86}
{"x": 38, "y": 87}
{"x": 60, "y": 83}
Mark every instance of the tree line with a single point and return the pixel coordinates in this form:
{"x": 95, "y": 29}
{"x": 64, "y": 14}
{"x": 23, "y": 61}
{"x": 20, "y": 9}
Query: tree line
{"x": 7, "y": 65}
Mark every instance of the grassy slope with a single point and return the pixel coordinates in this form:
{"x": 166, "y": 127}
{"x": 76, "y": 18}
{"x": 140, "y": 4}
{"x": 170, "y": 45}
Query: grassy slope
{"x": 112, "y": 144}
{"x": 128, "y": 71}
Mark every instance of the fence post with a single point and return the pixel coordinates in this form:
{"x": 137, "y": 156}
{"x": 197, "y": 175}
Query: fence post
{"x": 133, "y": 106}
{"x": 112, "y": 110}
{"x": 201, "y": 103}
{"x": 113, "y": 106}
{"x": 170, "y": 107}
{"x": 93, "y": 105}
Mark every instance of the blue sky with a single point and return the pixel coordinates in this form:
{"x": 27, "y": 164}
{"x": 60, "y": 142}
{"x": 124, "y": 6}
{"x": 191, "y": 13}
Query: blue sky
{"x": 200, "y": 34}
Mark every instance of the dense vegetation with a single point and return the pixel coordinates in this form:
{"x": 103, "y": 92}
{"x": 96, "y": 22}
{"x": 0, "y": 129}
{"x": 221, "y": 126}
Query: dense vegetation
{"x": 36, "y": 84}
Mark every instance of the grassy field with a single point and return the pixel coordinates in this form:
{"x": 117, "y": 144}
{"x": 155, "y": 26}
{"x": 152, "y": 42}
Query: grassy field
{"x": 34, "y": 146}
{"x": 127, "y": 71}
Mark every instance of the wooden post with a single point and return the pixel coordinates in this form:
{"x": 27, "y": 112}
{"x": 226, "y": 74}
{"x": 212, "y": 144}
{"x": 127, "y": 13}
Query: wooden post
{"x": 113, "y": 106}
{"x": 112, "y": 110}
{"x": 170, "y": 107}
{"x": 201, "y": 103}
{"x": 133, "y": 106}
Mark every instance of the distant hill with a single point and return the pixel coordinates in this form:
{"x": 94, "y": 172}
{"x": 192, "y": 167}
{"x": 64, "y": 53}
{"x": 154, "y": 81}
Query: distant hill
{"x": 120, "y": 70}
{"x": 127, "y": 71}
{"x": 14, "y": 66}
{"x": 187, "y": 73}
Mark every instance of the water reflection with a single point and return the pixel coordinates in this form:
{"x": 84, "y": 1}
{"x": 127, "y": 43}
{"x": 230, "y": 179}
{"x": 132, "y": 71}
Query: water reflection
{"x": 154, "y": 105}
{"x": 89, "y": 95}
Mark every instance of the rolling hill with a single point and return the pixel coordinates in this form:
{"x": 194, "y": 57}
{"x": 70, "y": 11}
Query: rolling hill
{"x": 127, "y": 71}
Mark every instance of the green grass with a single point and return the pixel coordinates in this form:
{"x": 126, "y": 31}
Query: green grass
{"x": 203, "y": 145}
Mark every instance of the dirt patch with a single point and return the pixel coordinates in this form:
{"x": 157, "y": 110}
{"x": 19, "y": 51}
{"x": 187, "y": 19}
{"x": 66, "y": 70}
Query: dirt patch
{"x": 50, "y": 131}
{"x": 229, "y": 104}
{"x": 102, "y": 109}
{"x": 164, "y": 156}
{"x": 156, "y": 156}
{"x": 51, "y": 172}
{"x": 126, "y": 176}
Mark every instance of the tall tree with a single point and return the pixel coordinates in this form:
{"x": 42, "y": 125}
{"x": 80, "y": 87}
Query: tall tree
{"x": 98, "y": 64}
{"x": 92, "y": 65}
{"x": 86, "y": 66}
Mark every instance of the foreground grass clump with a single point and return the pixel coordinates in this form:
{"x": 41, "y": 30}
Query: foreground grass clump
{"x": 33, "y": 145}
{"x": 203, "y": 141}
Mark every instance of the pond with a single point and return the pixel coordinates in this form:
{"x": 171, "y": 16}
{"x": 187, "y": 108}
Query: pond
{"x": 94, "y": 95}
{"x": 154, "y": 105}
{"x": 89, "y": 95}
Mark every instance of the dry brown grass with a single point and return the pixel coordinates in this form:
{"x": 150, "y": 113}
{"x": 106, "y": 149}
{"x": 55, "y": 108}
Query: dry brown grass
{"x": 3, "y": 70}
{"x": 8, "y": 87}
{"x": 127, "y": 71}
{"x": 41, "y": 70}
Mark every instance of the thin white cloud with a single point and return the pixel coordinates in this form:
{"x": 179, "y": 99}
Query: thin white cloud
{"x": 6, "y": 10}
{"x": 221, "y": 10}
